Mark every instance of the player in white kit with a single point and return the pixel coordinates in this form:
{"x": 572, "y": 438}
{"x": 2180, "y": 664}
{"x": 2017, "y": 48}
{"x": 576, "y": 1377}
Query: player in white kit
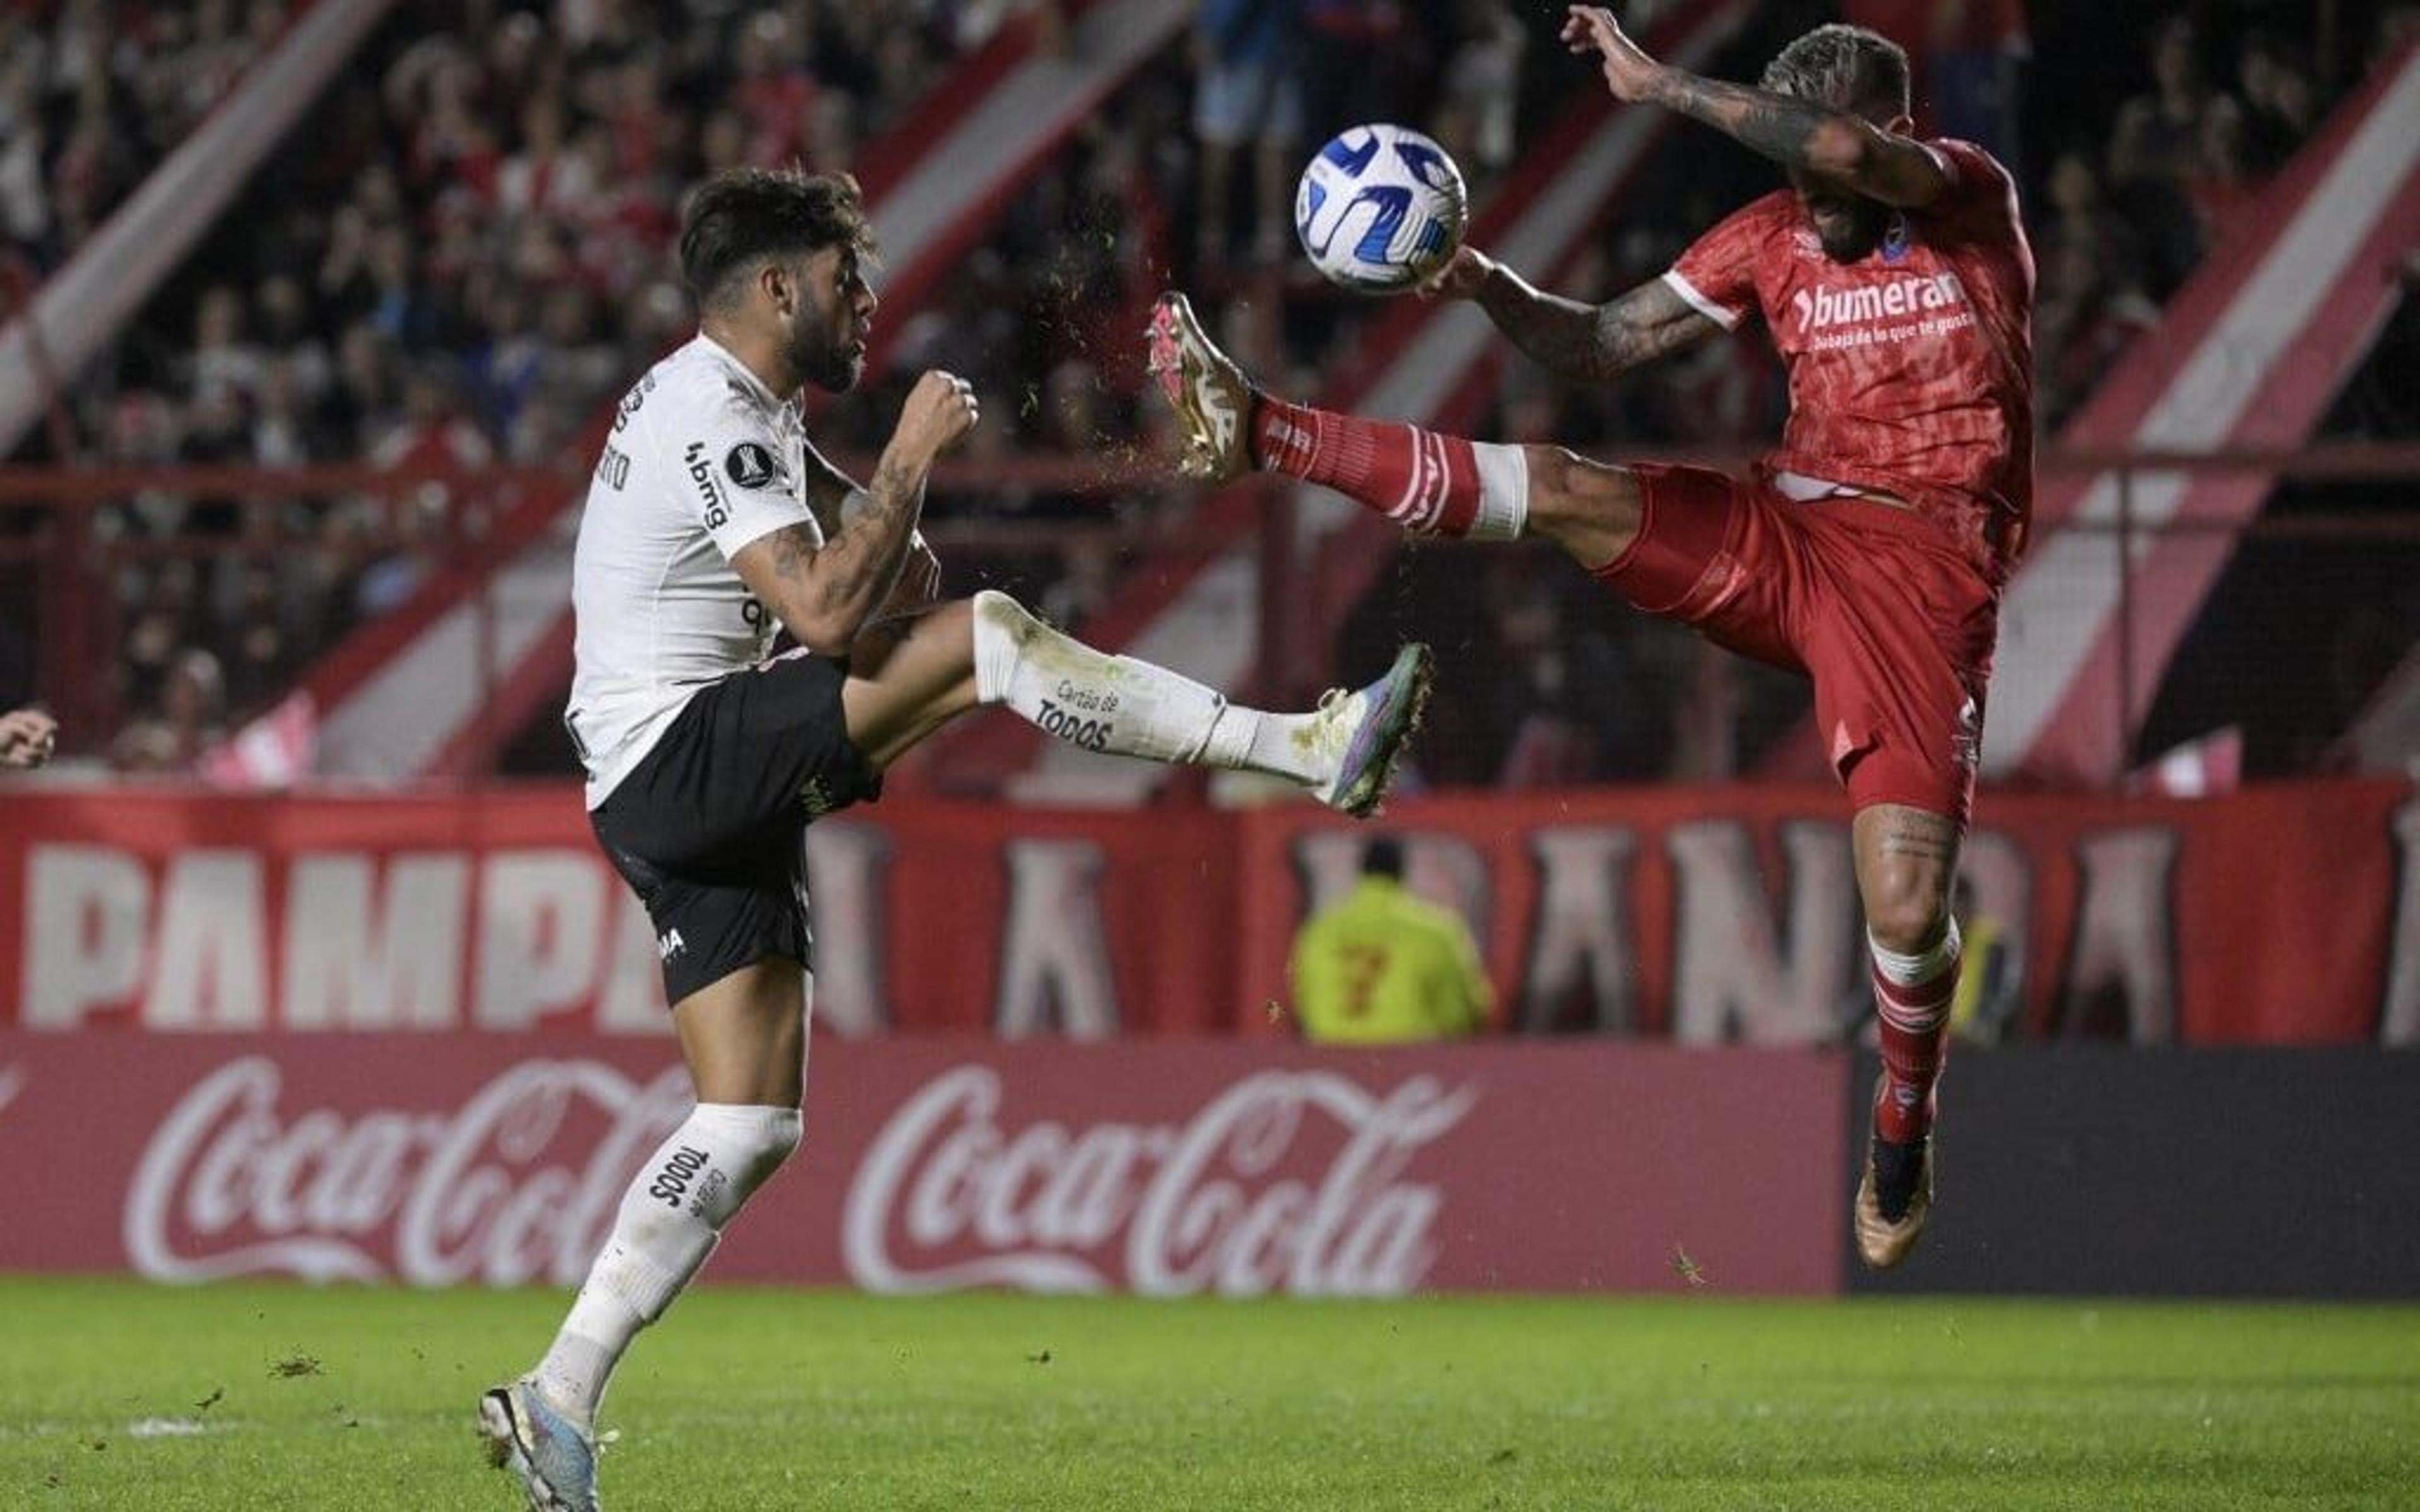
{"x": 711, "y": 524}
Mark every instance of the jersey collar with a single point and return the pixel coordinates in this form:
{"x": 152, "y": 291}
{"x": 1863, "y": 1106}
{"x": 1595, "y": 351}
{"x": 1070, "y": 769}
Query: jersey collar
{"x": 748, "y": 376}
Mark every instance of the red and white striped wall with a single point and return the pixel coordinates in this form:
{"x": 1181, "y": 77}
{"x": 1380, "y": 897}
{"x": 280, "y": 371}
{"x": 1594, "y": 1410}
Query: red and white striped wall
{"x": 2248, "y": 356}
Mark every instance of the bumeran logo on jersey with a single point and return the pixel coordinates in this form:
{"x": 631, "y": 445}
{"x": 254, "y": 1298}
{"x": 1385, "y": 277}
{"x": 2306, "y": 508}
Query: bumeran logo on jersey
{"x": 710, "y": 489}
{"x": 1900, "y": 309}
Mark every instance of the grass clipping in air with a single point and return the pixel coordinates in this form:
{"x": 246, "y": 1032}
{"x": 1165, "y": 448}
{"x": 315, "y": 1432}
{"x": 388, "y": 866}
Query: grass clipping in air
{"x": 752, "y": 1398}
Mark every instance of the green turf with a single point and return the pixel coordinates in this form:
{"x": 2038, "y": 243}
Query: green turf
{"x": 747, "y": 1399}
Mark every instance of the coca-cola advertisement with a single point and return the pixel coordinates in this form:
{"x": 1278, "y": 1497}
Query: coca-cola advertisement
{"x": 1167, "y": 1167}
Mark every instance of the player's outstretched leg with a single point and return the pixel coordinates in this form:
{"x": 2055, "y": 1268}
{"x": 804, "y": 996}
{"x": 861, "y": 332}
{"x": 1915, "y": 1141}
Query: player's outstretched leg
{"x": 1905, "y": 859}
{"x": 1343, "y": 752}
{"x": 988, "y": 649}
{"x": 1427, "y": 483}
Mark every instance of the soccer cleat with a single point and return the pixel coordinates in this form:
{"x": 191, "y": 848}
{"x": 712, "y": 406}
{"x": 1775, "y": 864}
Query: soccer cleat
{"x": 1209, "y": 393}
{"x": 1366, "y": 729}
{"x": 1893, "y": 1201}
{"x": 554, "y": 1458}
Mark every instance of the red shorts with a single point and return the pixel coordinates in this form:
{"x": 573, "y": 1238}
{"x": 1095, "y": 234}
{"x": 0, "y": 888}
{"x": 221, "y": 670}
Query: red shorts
{"x": 1872, "y": 601}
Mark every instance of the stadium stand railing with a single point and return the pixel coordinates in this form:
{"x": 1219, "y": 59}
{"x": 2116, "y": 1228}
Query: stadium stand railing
{"x": 79, "y": 589}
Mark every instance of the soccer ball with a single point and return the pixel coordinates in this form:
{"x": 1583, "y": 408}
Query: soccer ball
{"x": 1380, "y": 208}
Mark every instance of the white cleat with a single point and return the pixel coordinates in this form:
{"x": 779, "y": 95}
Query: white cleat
{"x": 553, "y": 1457}
{"x": 1366, "y": 729}
{"x": 1209, "y": 392}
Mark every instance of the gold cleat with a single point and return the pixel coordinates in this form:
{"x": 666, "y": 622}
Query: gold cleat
{"x": 1209, "y": 393}
{"x": 1881, "y": 1242}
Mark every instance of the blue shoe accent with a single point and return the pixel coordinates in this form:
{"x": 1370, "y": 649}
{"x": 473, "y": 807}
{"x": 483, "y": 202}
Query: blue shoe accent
{"x": 553, "y": 1457}
{"x": 1392, "y": 708}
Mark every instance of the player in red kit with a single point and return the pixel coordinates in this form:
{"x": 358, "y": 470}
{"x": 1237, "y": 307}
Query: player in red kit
{"x": 1868, "y": 551}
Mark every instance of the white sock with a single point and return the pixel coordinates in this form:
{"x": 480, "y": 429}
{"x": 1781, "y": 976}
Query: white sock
{"x": 670, "y": 1221}
{"x": 1924, "y": 966}
{"x": 1126, "y": 707}
{"x": 1503, "y": 492}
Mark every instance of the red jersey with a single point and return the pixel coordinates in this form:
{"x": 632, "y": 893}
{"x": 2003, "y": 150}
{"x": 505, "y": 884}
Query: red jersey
{"x": 1910, "y": 370}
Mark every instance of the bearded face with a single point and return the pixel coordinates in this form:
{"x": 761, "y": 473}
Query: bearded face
{"x": 823, "y": 339}
{"x": 1849, "y": 226}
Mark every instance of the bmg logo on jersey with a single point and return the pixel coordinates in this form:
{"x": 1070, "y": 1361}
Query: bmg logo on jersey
{"x": 709, "y": 488}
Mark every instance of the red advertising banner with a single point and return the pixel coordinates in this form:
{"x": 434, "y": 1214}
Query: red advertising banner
{"x": 1160, "y": 1166}
{"x": 2285, "y": 913}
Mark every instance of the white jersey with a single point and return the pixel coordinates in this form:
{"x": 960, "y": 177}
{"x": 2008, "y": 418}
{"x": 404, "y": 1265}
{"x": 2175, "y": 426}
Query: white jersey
{"x": 703, "y": 460}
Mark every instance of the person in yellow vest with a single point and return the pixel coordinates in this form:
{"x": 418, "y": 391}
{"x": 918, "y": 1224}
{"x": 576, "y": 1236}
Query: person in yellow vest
{"x": 1986, "y": 1005}
{"x": 1382, "y": 966}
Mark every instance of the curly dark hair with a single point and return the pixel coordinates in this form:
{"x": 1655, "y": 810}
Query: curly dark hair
{"x": 742, "y": 216}
{"x": 1845, "y": 67}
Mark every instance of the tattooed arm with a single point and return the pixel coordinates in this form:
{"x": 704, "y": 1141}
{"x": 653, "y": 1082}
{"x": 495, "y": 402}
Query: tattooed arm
{"x": 826, "y": 590}
{"x": 1572, "y": 340}
{"x": 837, "y": 501}
{"x": 1798, "y": 133}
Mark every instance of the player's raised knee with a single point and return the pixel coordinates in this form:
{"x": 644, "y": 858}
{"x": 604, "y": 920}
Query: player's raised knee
{"x": 1590, "y": 508}
{"x": 1910, "y": 923}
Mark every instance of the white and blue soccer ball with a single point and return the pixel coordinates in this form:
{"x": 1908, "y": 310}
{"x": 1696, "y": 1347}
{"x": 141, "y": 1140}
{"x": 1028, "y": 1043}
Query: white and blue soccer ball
{"x": 1380, "y": 208}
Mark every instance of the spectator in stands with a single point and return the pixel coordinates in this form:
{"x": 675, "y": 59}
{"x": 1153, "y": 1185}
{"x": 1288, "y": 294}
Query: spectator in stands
{"x": 1247, "y": 96}
{"x": 2159, "y": 153}
{"x": 186, "y": 722}
{"x": 1483, "y": 87}
{"x": 2092, "y": 298}
{"x": 25, "y": 201}
{"x": 28, "y": 737}
{"x": 1384, "y": 966}
{"x": 2279, "y": 106}
{"x": 2227, "y": 183}
{"x": 1966, "y": 61}
{"x": 1342, "y": 41}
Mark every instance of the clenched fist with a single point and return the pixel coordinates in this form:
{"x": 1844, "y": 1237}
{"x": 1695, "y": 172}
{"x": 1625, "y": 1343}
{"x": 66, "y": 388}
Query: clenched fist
{"x": 940, "y": 409}
{"x": 28, "y": 737}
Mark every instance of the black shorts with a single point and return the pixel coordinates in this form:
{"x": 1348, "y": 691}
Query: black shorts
{"x": 709, "y": 828}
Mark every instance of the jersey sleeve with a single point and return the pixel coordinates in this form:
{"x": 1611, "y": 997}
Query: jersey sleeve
{"x": 1718, "y": 274}
{"x": 728, "y": 468}
{"x": 1982, "y": 194}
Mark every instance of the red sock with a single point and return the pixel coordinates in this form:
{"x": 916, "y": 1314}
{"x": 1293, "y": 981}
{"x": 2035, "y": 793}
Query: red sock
{"x": 1424, "y": 481}
{"x": 1914, "y": 1022}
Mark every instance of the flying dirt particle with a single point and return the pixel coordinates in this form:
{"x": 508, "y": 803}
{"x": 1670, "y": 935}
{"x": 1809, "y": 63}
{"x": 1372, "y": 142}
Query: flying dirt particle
{"x": 211, "y": 1400}
{"x": 1503, "y": 1457}
{"x": 97, "y": 1445}
{"x": 1276, "y": 1012}
{"x": 295, "y": 1365}
{"x": 1687, "y": 1269}
{"x": 1044, "y": 1358}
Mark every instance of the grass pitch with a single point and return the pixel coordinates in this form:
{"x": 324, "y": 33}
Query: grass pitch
{"x": 115, "y": 1395}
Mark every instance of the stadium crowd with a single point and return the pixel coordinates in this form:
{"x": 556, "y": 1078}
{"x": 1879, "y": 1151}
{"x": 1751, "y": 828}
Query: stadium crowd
{"x": 462, "y": 255}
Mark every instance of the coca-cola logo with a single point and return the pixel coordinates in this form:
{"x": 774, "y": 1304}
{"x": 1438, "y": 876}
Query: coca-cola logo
{"x": 518, "y": 1184}
{"x": 1287, "y": 1181}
